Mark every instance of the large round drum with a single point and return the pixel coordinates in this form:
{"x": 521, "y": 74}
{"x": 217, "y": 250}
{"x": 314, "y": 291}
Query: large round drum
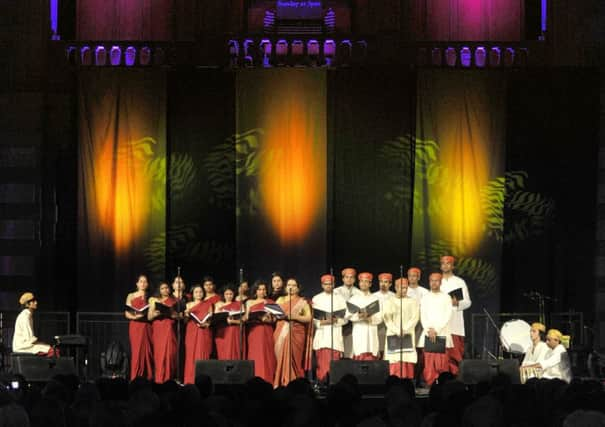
{"x": 514, "y": 336}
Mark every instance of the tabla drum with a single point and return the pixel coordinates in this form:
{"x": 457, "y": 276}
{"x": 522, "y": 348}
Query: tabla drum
{"x": 527, "y": 373}
{"x": 514, "y": 336}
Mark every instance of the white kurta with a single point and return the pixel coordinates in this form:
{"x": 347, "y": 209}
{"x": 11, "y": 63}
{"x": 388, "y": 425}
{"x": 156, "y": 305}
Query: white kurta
{"x": 382, "y": 329}
{"x": 324, "y": 334}
{"x": 401, "y": 315}
{"x": 24, "y": 340}
{"x": 347, "y": 293}
{"x": 417, "y": 293}
{"x": 457, "y": 320}
{"x": 365, "y": 332}
{"x": 435, "y": 312}
{"x": 535, "y": 354}
{"x": 556, "y": 364}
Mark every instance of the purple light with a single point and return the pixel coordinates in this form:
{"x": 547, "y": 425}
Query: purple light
{"x": 130, "y": 56}
{"x": 329, "y": 51}
{"x": 480, "y": 56}
{"x": 85, "y": 56}
{"x": 145, "y": 56}
{"x": 544, "y": 15}
{"x": 265, "y": 47}
{"x": 115, "y": 55}
{"x": 494, "y": 56}
{"x": 298, "y": 48}
{"x": 54, "y": 20}
{"x": 509, "y": 57}
{"x": 100, "y": 56}
{"x": 450, "y": 56}
{"x": 465, "y": 56}
{"x": 281, "y": 48}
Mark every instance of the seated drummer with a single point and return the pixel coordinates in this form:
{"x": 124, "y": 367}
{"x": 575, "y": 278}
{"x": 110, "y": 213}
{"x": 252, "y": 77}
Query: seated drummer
{"x": 24, "y": 340}
{"x": 537, "y": 351}
{"x": 556, "y": 360}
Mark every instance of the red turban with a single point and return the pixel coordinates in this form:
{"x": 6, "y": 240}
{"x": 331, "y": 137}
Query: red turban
{"x": 414, "y": 269}
{"x": 349, "y": 271}
{"x": 401, "y": 280}
{"x": 448, "y": 258}
{"x": 366, "y": 276}
{"x": 327, "y": 278}
{"x": 435, "y": 275}
{"x": 385, "y": 276}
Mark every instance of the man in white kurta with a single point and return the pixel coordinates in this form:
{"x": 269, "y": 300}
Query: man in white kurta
{"x": 449, "y": 283}
{"x": 365, "y": 328}
{"x": 435, "y": 313}
{"x": 535, "y": 353}
{"x": 401, "y": 315}
{"x": 384, "y": 293}
{"x": 347, "y": 291}
{"x": 327, "y": 341}
{"x": 556, "y": 360}
{"x": 414, "y": 289}
{"x": 417, "y": 292}
{"x": 24, "y": 340}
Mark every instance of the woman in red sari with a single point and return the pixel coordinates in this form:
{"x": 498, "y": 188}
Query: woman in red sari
{"x": 259, "y": 333}
{"x": 163, "y": 336}
{"x": 198, "y": 335}
{"x": 292, "y": 336}
{"x": 139, "y": 331}
{"x": 243, "y": 291}
{"x": 227, "y": 336}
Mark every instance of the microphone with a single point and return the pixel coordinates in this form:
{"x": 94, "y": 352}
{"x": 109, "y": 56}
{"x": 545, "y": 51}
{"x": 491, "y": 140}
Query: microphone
{"x": 241, "y": 275}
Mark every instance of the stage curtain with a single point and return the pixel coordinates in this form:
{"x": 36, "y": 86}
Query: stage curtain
{"x": 122, "y": 182}
{"x": 466, "y": 20}
{"x": 551, "y": 213}
{"x": 370, "y": 120}
{"x": 125, "y": 19}
{"x": 201, "y": 179}
{"x": 459, "y": 177}
{"x": 281, "y": 153}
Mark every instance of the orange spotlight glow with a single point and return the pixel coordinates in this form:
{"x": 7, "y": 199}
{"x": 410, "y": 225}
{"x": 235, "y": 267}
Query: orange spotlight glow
{"x": 292, "y": 174}
{"x": 122, "y": 189}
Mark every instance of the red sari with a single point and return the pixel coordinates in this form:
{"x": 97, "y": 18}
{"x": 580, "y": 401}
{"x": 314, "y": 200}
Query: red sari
{"x": 198, "y": 341}
{"x": 226, "y": 337}
{"x": 139, "y": 332}
{"x": 259, "y": 346}
{"x": 291, "y": 348}
{"x": 164, "y": 345}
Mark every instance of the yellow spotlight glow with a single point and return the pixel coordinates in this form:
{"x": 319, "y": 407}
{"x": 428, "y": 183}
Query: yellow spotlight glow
{"x": 292, "y": 172}
{"x": 465, "y": 159}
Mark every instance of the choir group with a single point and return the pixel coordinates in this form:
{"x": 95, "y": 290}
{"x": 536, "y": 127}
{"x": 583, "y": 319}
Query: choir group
{"x": 419, "y": 331}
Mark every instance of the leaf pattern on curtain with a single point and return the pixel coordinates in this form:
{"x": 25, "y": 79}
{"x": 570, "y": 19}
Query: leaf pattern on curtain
{"x": 527, "y": 213}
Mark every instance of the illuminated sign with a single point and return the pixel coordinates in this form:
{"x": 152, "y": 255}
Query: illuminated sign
{"x": 299, "y": 9}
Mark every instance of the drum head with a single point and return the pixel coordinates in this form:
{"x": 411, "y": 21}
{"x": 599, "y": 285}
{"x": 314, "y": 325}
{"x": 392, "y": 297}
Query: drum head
{"x": 514, "y": 336}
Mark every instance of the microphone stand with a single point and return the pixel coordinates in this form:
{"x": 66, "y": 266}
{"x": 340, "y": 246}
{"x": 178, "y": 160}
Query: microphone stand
{"x": 2, "y": 349}
{"x": 179, "y": 320}
{"x": 485, "y": 350}
{"x": 332, "y": 316}
{"x": 241, "y": 316}
{"x": 400, "y": 321}
{"x": 290, "y": 333}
